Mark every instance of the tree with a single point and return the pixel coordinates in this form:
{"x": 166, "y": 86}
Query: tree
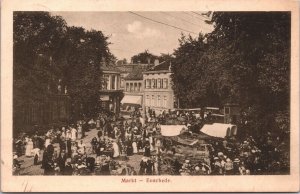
{"x": 46, "y": 51}
{"x": 86, "y": 50}
{"x": 144, "y": 57}
{"x": 246, "y": 60}
{"x": 37, "y": 38}
{"x": 260, "y": 44}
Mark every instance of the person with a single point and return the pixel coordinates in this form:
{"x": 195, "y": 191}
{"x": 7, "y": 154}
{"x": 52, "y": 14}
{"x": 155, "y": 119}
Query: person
{"x": 16, "y": 165}
{"x": 68, "y": 134}
{"x": 36, "y": 154}
{"x": 149, "y": 168}
{"x": 69, "y": 147}
{"x": 74, "y": 149}
{"x": 79, "y": 134}
{"x": 236, "y": 164}
{"x": 140, "y": 146}
{"x": 56, "y": 169}
{"x": 98, "y": 125}
{"x": 29, "y": 148}
{"x": 129, "y": 148}
{"x": 116, "y": 149}
{"x": 94, "y": 144}
{"x": 81, "y": 147}
{"x": 177, "y": 166}
{"x": 49, "y": 167}
{"x": 147, "y": 152}
{"x": 63, "y": 133}
{"x": 61, "y": 160}
{"x": 68, "y": 170}
{"x": 143, "y": 166}
{"x": 135, "y": 148}
{"x": 228, "y": 167}
{"x": 73, "y": 134}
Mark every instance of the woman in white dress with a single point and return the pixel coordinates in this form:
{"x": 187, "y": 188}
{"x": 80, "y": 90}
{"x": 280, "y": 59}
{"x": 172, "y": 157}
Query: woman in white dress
{"x": 73, "y": 134}
{"x": 134, "y": 146}
{"x": 116, "y": 149}
{"x": 29, "y": 148}
{"x": 151, "y": 143}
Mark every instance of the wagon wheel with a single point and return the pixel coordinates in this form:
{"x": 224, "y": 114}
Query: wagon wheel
{"x": 167, "y": 167}
{"x": 126, "y": 171}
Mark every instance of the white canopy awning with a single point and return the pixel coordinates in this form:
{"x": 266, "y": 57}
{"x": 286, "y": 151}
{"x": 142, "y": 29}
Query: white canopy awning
{"x": 171, "y": 130}
{"x": 219, "y": 130}
{"x": 132, "y": 100}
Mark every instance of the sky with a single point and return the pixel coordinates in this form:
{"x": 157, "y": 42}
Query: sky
{"x": 133, "y": 32}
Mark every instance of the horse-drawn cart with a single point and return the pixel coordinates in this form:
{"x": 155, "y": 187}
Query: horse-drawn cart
{"x": 181, "y": 146}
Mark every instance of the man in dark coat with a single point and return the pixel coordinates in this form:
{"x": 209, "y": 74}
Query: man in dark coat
{"x": 61, "y": 160}
{"x": 68, "y": 170}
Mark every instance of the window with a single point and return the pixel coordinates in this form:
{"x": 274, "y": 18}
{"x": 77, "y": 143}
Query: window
{"x": 122, "y": 83}
{"x": 153, "y": 83}
{"x": 158, "y": 83}
{"x": 165, "y": 83}
{"x": 158, "y": 101}
{"x": 113, "y": 82}
{"x": 127, "y": 87}
{"x": 131, "y": 87}
{"x": 165, "y": 101}
{"x": 153, "y": 101}
{"x": 148, "y": 83}
{"x": 135, "y": 87}
{"x": 147, "y": 100}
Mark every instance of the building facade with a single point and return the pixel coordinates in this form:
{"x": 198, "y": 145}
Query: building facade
{"x": 134, "y": 89}
{"x": 110, "y": 93}
{"x": 158, "y": 92}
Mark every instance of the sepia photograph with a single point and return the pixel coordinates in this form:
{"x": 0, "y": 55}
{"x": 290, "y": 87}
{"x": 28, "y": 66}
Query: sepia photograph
{"x": 150, "y": 95}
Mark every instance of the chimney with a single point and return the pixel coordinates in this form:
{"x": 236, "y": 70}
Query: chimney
{"x": 156, "y": 62}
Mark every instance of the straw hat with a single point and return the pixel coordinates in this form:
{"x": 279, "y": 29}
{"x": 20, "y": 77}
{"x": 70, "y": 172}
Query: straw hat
{"x": 236, "y": 160}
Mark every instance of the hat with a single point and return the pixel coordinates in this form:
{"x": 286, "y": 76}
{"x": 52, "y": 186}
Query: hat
{"x": 216, "y": 158}
{"x": 228, "y": 160}
{"x": 236, "y": 160}
{"x": 220, "y": 153}
{"x": 187, "y": 161}
{"x": 15, "y": 156}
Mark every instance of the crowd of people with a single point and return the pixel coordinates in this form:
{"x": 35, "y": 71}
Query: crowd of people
{"x": 62, "y": 151}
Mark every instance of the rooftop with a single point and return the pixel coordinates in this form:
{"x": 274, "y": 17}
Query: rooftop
{"x": 163, "y": 66}
{"x": 136, "y": 74}
{"x": 110, "y": 67}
